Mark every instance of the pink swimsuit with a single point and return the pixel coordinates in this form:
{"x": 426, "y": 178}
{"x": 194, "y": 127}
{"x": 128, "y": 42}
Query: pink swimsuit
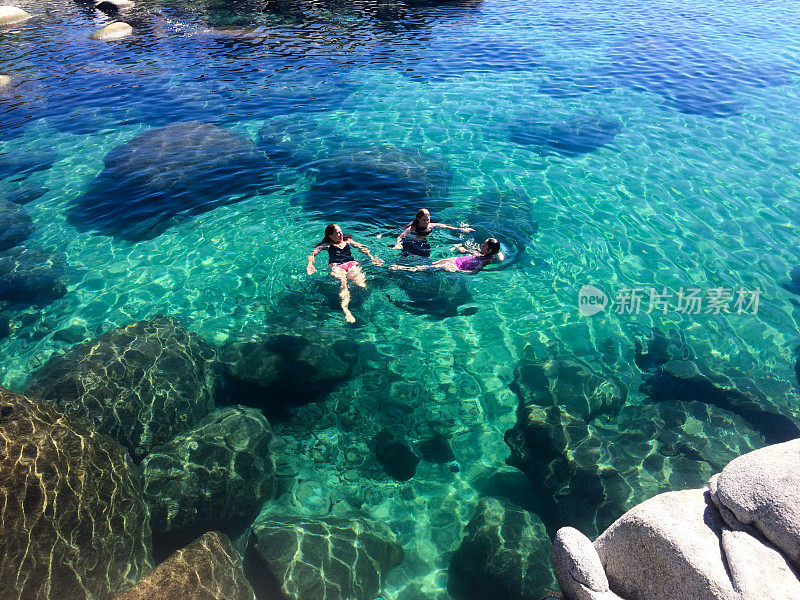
{"x": 470, "y": 263}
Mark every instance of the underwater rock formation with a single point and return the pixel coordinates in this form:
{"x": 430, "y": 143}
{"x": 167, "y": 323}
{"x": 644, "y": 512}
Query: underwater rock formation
{"x": 377, "y": 183}
{"x": 579, "y": 134}
{"x": 18, "y": 165}
{"x": 166, "y": 173}
{"x": 25, "y": 195}
{"x": 690, "y": 76}
{"x": 298, "y": 140}
{"x": 660, "y": 350}
{"x": 140, "y": 384}
{"x": 73, "y": 521}
{"x": 503, "y": 555}
{"x": 209, "y": 568}
{"x": 31, "y": 276}
{"x": 283, "y": 370}
{"x": 433, "y": 294}
{"x": 737, "y": 540}
{"x": 395, "y": 455}
{"x": 683, "y": 381}
{"x": 215, "y": 476}
{"x": 17, "y": 225}
{"x": 332, "y": 558}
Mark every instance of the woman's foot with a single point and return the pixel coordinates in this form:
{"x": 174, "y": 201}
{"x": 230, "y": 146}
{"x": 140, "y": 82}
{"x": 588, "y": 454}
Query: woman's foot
{"x": 348, "y": 316}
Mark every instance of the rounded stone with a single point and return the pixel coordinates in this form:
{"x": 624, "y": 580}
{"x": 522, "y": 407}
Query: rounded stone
{"x": 4, "y": 81}
{"x": 112, "y": 32}
{"x": 10, "y": 15}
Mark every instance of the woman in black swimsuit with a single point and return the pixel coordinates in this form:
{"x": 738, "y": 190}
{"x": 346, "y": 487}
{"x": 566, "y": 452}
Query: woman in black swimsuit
{"x": 418, "y": 231}
{"x": 341, "y": 263}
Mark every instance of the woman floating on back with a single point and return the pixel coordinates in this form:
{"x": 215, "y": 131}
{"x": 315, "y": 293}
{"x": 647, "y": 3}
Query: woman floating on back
{"x": 473, "y": 263}
{"x": 342, "y": 264}
{"x": 414, "y": 239}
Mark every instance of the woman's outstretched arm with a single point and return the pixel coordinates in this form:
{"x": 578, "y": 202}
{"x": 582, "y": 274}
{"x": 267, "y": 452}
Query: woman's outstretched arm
{"x": 375, "y": 260}
{"x": 310, "y": 268}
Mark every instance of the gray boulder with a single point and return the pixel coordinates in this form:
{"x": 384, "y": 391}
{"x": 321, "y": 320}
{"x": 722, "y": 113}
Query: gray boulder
{"x": 503, "y": 555}
{"x": 140, "y": 384}
{"x": 74, "y": 524}
{"x": 762, "y": 489}
{"x": 217, "y": 475}
{"x": 207, "y": 569}
{"x": 334, "y": 558}
{"x": 667, "y": 548}
{"x": 578, "y": 568}
{"x": 758, "y": 570}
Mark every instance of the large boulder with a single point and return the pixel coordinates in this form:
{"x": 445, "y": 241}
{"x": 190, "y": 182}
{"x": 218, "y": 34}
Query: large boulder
{"x": 578, "y": 568}
{"x": 762, "y": 489}
{"x": 73, "y": 521}
{"x": 377, "y": 183}
{"x": 140, "y": 384}
{"x": 113, "y": 32}
{"x": 286, "y": 369}
{"x": 166, "y": 173}
{"x": 217, "y": 475}
{"x": 17, "y": 225}
{"x": 333, "y": 558}
{"x": 31, "y": 276}
{"x": 209, "y": 568}
{"x": 683, "y": 380}
{"x": 667, "y": 548}
{"x": 18, "y": 165}
{"x": 11, "y": 15}
{"x": 503, "y": 555}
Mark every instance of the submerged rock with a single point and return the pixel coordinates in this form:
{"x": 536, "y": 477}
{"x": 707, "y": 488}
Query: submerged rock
{"x": 26, "y": 195}
{"x": 166, "y": 173}
{"x": 112, "y": 32}
{"x": 683, "y": 381}
{"x": 377, "y": 183}
{"x": 140, "y": 384}
{"x": 283, "y": 370}
{"x": 4, "y": 81}
{"x": 17, "y": 225}
{"x": 577, "y": 135}
{"x": 334, "y": 558}
{"x": 209, "y": 568}
{"x": 395, "y": 455}
{"x": 31, "y": 276}
{"x": 18, "y": 165}
{"x": 660, "y": 350}
{"x": 503, "y": 555}
{"x": 71, "y": 511}
{"x": 216, "y": 476}
{"x": 11, "y": 15}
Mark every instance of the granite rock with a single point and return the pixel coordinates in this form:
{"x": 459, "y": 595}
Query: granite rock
{"x": 73, "y": 521}
{"x": 578, "y": 568}
{"x": 667, "y": 548}
{"x": 207, "y": 569}
{"x": 140, "y": 384}
{"x": 11, "y": 15}
{"x": 762, "y": 489}
{"x": 334, "y": 558}
{"x": 17, "y": 225}
{"x": 113, "y": 32}
{"x": 217, "y": 475}
{"x": 503, "y": 555}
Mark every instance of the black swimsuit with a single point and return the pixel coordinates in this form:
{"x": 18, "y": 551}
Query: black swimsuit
{"x": 338, "y": 255}
{"x": 419, "y": 247}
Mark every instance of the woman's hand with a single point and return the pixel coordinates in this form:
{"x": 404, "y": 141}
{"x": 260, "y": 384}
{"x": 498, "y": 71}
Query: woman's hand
{"x": 466, "y": 229}
{"x": 311, "y": 269}
{"x": 397, "y": 246}
{"x": 376, "y": 261}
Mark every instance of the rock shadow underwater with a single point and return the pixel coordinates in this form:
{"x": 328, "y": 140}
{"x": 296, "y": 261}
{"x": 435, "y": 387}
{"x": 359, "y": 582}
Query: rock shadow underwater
{"x": 690, "y": 76}
{"x": 167, "y": 174}
{"x": 577, "y": 135}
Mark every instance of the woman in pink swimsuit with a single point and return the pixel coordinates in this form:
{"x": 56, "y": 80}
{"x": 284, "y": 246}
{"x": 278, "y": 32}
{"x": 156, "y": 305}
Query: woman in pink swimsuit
{"x": 467, "y": 264}
{"x": 341, "y": 263}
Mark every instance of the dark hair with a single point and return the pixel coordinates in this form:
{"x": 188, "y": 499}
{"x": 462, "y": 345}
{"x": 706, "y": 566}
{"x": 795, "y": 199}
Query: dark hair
{"x": 420, "y": 213}
{"x": 494, "y": 246}
{"x": 328, "y": 231}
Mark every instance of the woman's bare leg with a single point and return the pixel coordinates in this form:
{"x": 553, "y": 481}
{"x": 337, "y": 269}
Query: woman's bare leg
{"x": 356, "y": 275}
{"x": 344, "y": 294}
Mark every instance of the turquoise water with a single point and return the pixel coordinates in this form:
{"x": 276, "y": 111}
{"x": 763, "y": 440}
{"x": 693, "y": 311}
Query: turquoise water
{"x": 692, "y": 181}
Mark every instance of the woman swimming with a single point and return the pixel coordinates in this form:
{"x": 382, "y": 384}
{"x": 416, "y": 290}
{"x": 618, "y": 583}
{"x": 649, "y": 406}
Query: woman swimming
{"x": 468, "y": 264}
{"x": 341, "y": 263}
{"x": 418, "y": 231}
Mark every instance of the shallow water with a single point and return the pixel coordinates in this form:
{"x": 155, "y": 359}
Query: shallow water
{"x": 626, "y": 145}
